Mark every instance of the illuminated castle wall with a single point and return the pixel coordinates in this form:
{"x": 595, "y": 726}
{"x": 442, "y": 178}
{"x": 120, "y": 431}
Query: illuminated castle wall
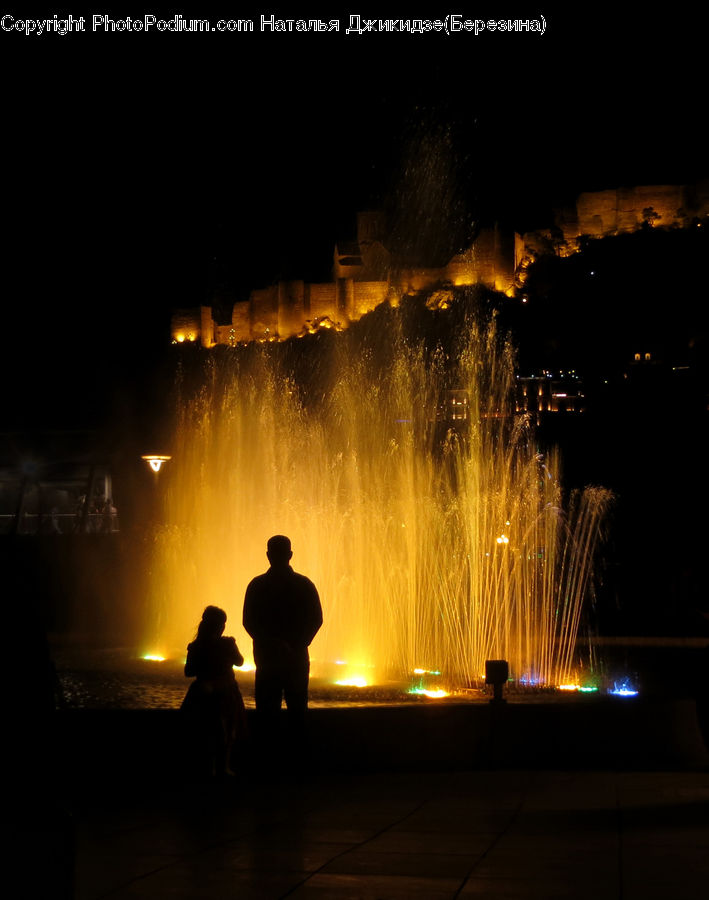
{"x": 617, "y": 211}
{"x": 366, "y": 274}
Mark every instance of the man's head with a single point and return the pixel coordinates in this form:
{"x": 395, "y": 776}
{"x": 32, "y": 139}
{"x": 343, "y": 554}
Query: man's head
{"x": 278, "y": 550}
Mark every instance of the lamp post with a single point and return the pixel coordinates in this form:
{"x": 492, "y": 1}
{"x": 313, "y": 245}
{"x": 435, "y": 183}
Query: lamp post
{"x": 154, "y": 517}
{"x": 155, "y": 462}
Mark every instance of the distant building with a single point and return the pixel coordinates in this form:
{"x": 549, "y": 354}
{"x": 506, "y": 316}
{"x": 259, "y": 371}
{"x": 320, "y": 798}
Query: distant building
{"x": 366, "y": 273}
{"x": 550, "y": 392}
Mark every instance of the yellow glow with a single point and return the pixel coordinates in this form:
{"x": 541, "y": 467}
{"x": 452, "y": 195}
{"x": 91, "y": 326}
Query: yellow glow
{"x": 376, "y": 615}
{"x": 180, "y": 338}
{"x": 153, "y": 657}
{"x": 155, "y": 461}
{"x": 440, "y": 300}
{"x": 435, "y": 695}
{"x": 569, "y": 687}
{"x": 354, "y": 681}
{"x": 503, "y": 539}
{"x": 247, "y": 667}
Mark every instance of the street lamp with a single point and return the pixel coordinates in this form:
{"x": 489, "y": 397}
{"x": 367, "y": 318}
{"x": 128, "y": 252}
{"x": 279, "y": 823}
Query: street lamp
{"x": 155, "y": 461}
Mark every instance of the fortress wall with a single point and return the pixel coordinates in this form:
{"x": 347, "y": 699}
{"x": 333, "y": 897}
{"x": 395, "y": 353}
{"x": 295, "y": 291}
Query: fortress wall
{"x": 344, "y": 299}
{"x": 504, "y": 282}
{"x": 606, "y": 212}
{"x": 240, "y": 322}
{"x": 505, "y": 243}
{"x": 667, "y": 200}
{"x": 222, "y": 334}
{"x": 490, "y": 261}
{"x": 376, "y": 262}
{"x": 566, "y": 221}
{"x": 367, "y": 295}
{"x": 484, "y": 252}
{"x": 628, "y": 216}
{"x": 263, "y": 306}
{"x": 208, "y": 326}
{"x": 323, "y": 301}
{"x": 341, "y": 271}
{"x": 418, "y": 279}
{"x": 186, "y": 324}
{"x": 597, "y": 213}
{"x": 462, "y": 269}
{"x": 292, "y": 311}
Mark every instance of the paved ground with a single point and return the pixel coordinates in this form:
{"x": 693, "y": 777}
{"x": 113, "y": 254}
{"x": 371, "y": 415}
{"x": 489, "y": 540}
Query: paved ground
{"x": 496, "y": 834}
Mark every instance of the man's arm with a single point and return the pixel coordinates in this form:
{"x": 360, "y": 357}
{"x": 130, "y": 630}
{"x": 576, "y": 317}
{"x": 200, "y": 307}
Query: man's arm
{"x": 314, "y": 618}
{"x": 250, "y": 617}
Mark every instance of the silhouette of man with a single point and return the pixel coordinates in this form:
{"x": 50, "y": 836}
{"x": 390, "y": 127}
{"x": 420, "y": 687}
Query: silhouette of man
{"x": 282, "y": 614}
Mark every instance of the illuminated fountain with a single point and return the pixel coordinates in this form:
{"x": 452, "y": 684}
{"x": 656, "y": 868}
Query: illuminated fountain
{"x": 415, "y": 499}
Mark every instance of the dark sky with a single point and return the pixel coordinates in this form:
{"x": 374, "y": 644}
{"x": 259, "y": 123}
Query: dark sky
{"x": 140, "y": 171}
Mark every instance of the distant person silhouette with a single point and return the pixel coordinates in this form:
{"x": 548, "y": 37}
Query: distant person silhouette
{"x": 213, "y": 700}
{"x": 282, "y": 614}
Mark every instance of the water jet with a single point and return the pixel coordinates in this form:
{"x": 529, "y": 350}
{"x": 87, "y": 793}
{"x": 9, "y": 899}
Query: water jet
{"x": 417, "y": 500}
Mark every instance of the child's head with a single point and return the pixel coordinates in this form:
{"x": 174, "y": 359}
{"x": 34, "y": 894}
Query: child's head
{"x": 213, "y": 622}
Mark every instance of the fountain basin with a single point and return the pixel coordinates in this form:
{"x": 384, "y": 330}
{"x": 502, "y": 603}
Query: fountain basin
{"x": 124, "y": 712}
{"x": 598, "y": 734}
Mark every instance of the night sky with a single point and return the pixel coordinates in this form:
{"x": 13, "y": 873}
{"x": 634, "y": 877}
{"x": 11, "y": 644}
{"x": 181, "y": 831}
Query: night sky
{"x": 143, "y": 172}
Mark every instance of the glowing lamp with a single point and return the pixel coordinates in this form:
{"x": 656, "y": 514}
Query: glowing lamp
{"x": 155, "y": 461}
{"x": 436, "y": 694}
{"x": 623, "y": 689}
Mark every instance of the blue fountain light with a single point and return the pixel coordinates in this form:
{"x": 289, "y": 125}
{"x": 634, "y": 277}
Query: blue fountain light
{"x": 623, "y": 689}
{"x": 530, "y": 679}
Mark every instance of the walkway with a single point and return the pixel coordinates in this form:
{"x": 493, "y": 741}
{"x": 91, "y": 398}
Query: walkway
{"x": 493, "y": 834}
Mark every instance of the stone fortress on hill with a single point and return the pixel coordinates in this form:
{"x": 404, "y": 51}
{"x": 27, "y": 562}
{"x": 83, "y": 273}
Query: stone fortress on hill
{"x": 365, "y": 273}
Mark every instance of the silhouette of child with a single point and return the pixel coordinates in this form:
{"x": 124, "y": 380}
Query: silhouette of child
{"x": 213, "y": 701}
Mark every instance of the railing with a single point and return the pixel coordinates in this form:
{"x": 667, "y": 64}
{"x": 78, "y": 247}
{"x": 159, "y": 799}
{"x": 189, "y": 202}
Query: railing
{"x": 59, "y": 523}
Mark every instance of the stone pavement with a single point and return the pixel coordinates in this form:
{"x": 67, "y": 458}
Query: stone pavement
{"x": 435, "y": 835}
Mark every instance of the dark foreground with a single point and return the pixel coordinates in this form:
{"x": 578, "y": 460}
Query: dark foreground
{"x": 604, "y": 800}
{"x": 496, "y": 834}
